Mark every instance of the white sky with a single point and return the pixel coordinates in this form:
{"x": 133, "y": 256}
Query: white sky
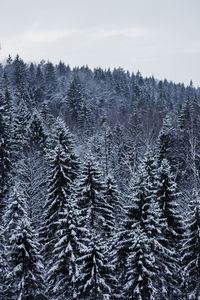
{"x": 157, "y": 37}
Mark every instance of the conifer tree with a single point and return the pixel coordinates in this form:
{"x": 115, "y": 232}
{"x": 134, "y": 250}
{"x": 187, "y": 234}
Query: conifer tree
{"x": 166, "y": 141}
{"x": 37, "y": 133}
{"x": 74, "y": 102}
{"x": 50, "y": 79}
{"x": 137, "y": 215}
{"x": 59, "y": 189}
{"x": 46, "y": 115}
{"x": 143, "y": 214}
{"x": 136, "y": 137}
{"x": 167, "y": 193}
{"x": 2, "y": 264}
{"x": 5, "y": 163}
{"x": 113, "y": 199}
{"x": 63, "y": 271}
{"x": 167, "y": 196}
{"x": 19, "y": 132}
{"x": 62, "y": 136}
{"x": 24, "y": 269}
{"x": 191, "y": 253}
{"x": 93, "y": 280}
{"x": 95, "y": 210}
{"x": 141, "y": 274}
{"x": 32, "y": 173}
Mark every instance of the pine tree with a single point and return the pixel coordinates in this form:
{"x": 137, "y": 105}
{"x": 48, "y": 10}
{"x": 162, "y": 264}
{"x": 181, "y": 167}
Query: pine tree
{"x": 63, "y": 271}
{"x": 37, "y": 133}
{"x": 102, "y": 144}
{"x": 95, "y": 211}
{"x": 143, "y": 214}
{"x": 46, "y": 115}
{"x": 50, "y": 79}
{"x": 74, "y": 102}
{"x": 122, "y": 171}
{"x": 185, "y": 129}
{"x": 5, "y": 163}
{"x": 167, "y": 196}
{"x": 62, "y": 136}
{"x": 59, "y": 189}
{"x": 141, "y": 274}
{"x": 93, "y": 279}
{"x": 166, "y": 141}
{"x": 19, "y": 132}
{"x": 39, "y": 91}
{"x": 113, "y": 199}
{"x": 2, "y": 264}
{"x": 136, "y": 137}
{"x": 191, "y": 253}
{"x": 21, "y": 89}
{"x": 24, "y": 269}
{"x": 32, "y": 173}
{"x": 137, "y": 213}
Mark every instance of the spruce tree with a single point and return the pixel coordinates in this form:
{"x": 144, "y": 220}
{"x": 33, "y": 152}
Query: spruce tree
{"x": 62, "y": 136}
{"x": 2, "y": 264}
{"x": 46, "y": 115}
{"x": 167, "y": 141}
{"x": 113, "y": 199}
{"x": 59, "y": 189}
{"x": 37, "y": 133}
{"x": 191, "y": 252}
{"x": 50, "y": 78}
{"x": 94, "y": 208}
{"x": 5, "y": 163}
{"x": 24, "y": 268}
{"x": 168, "y": 196}
{"x": 19, "y": 132}
{"x": 74, "y": 102}
{"x": 63, "y": 271}
{"x": 32, "y": 173}
{"x": 143, "y": 214}
{"x": 141, "y": 274}
{"x": 93, "y": 280}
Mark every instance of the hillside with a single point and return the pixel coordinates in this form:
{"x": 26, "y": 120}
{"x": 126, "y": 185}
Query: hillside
{"x": 99, "y": 184}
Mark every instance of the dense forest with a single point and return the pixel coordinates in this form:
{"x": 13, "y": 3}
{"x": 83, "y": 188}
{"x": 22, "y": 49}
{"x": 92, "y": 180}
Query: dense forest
{"x": 99, "y": 184}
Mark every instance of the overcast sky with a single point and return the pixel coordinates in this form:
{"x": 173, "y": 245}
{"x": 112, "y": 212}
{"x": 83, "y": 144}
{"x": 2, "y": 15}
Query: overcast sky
{"x": 157, "y": 37}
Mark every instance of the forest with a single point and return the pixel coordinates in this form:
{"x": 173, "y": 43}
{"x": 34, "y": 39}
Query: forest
{"x": 99, "y": 184}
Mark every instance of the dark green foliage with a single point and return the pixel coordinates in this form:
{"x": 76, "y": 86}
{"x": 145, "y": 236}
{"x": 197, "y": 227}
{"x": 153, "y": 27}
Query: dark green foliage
{"x": 74, "y": 102}
{"x": 137, "y": 218}
{"x": 62, "y": 275}
{"x": 191, "y": 253}
{"x": 94, "y": 208}
{"x": 94, "y": 270}
{"x": 5, "y": 163}
{"x": 59, "y": 189}
{"x": 24, "y": 269}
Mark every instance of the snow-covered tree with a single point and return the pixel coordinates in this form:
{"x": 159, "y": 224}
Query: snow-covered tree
{"x": 113, "y": 199}
{"x": 59, "y": 189}
{"x": 63, "y": 270}
{"x": 94, "y": 274}
{"x": 168, "y": 196}
{"x": 37, "y": 133}
{"x": 19, "y": 132}
{"x": 62, "y": 136}
{"x": 141, "y": 273}
{"x": 24, "y": 268}
{"x": 94, "y": 208}
{"x": 5, "y": 163}
{"x": 191, "y": 253}
{"x": 74, "y": 102}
